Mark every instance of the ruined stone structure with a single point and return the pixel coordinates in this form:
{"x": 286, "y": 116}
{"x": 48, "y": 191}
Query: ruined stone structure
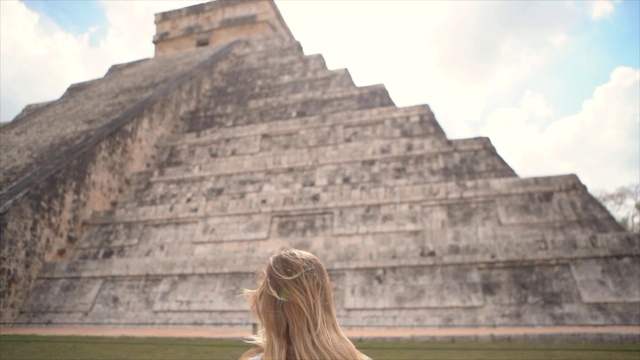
{"x": 151, "y": 196}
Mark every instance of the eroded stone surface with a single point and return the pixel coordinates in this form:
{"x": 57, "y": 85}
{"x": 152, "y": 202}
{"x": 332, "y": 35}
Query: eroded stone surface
{"x": 608, "y": 280}
{"x": 63, "y": 295}
{"x": 406, "y": 288}
{"x": 203, "y": 293}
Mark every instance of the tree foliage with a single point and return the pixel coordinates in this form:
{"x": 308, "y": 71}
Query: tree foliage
{"x": 624, "y": 204}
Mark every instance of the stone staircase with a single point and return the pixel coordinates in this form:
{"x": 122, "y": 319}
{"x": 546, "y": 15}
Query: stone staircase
{"x": 416, "y": 229}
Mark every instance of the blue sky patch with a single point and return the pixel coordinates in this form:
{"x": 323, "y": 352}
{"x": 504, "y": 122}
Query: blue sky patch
{"x": 76, "y": 17}
{"x": 621, "y": 34}
{"x": 596, "y": 48}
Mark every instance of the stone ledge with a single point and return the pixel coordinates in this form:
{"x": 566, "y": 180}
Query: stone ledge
{"x": 290, "y": 57}
{"x": 225, "y": 265}
{"x": 343, "y": 196}
{"x": 334, "y": 138}
{"x": 250, "y": 56}
{"x": 309, "y": 122}
{"x": 277, "y": 101}
{"x": 323, "y": 179}
{"x": 265, "y": 46}
{"x": 379, "y": 149}
{"x": 291, "y": 67}
{"x": 283, "y": 86}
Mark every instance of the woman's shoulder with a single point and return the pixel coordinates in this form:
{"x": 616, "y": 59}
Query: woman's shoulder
{"x": 363, "y": 356}
{"x": 257, "y": 357}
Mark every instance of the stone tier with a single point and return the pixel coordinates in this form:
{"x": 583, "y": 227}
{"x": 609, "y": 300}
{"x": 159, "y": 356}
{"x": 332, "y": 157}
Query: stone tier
{"x": 346, "y": 195}
{"x": 364, "y": 117}
{"x": 612, "y": 246}
{"x": 480, "y": 290}
{"x": 247, "y": 93}
{"x": 396, "y": 171}
{"x": 281, "y": 69}
{"x": 290, "y": 107}
{"x": 500, "y": 218}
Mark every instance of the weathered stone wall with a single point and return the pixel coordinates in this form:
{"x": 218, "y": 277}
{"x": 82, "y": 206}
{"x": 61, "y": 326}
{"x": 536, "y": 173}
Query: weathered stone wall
{"x": 416, "y": 229}
{"x": 42, "y": 220}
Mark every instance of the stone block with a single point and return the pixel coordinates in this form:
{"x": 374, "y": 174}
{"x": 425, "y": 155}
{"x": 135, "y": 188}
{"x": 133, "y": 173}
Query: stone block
{"x": 519, "y": 285}
{"x": 362, "y": 116}
{"x": 377, "y": 218}
{"x": 374, "y": 247}
{"x": 177, "y": 193}
{"x": 183, "y": 204}
{"x": 288, "y": 69}
{"x": 162, "y": 240}
{"x": 204, "y": 152}
{"x": 608, "y": 280}
{"x": 301, "y": 139}
{"x": 233, "y": 228}
{"x": 423, "y": 287}
{"x": 537, "y": 207}
{"x": 111, "y": 235}
{"x": 203, "y": 293}
{"x": 62, "y": 295}
{"x": 125, "y": 300}
{"x": 302, "y": 226}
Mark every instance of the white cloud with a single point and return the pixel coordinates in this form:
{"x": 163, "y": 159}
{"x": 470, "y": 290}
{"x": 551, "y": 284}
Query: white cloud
{"x": 601, "y": 8}
{"x": 442, "y": 53}
{"x": 40, "y": 60}
{"x": 38, "y": 64}
{"x": 559, "y": 40}
{"x": 601, "y": 143}
{"x": 132, "y": 26}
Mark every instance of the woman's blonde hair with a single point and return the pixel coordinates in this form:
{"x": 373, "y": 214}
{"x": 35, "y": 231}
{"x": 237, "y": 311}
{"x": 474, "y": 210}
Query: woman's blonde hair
{"x": 294, "y": 304}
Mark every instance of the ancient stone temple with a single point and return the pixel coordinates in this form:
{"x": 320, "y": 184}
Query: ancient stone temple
{"x": 152, "y": 195}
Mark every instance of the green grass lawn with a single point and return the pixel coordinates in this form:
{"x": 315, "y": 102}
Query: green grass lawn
{"x": 94, "y": 348}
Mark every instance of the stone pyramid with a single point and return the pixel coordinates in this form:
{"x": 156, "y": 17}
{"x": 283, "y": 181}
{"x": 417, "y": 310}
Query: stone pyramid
{"x": 152, "y": 195}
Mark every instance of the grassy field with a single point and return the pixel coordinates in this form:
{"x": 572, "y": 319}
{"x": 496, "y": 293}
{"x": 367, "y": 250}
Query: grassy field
{"x": 94, "y": 348}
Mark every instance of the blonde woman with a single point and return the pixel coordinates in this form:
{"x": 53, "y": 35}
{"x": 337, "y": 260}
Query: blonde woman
{"x": 294, "y": 304}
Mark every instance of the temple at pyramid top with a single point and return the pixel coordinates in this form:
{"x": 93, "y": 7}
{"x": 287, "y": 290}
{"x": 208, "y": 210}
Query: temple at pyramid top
{"x": 215, "y": 23}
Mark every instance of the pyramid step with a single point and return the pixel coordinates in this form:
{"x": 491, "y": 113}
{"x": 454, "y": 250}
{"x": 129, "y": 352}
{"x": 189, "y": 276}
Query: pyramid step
{"x": 156, "y": 299}
{"x": 138, "y": 294}
{"x": 286, "y": 58}
{"x": 286, "y": 66}
{"x": 393, "y": 162}
{"x": 255, "y": 105}
{"x": 397, "y": 171}
{"x": 519, "y": 201}
{"x": 216, "y": 264}
{"x": 253, "y": 57}
{"x": 280, "y": 108}
{"x": 397, "y": 235}
{"x": 255, "y": 52}
{"x": 321, "y": 155}
{"x": 240, "y": 94}
{"x": 281, "y": 138}
{"x": 346, "y": 118}
{"x": 264, "y": 46}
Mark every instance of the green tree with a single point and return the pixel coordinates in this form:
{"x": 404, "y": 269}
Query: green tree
{"x": 624, "y": 205}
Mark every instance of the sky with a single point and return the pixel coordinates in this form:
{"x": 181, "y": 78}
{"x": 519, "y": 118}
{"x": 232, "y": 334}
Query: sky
{"x": 555, "y": 85}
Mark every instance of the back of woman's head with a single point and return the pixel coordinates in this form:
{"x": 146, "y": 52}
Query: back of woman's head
{"x": 294, "y": 303}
